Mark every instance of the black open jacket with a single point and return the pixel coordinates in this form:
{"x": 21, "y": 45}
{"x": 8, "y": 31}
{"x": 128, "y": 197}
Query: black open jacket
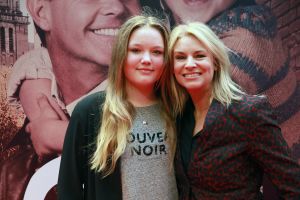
{"x": 78, "y": 148}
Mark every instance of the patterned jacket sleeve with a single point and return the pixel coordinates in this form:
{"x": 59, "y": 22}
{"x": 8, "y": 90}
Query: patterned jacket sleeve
{"x": 269, "y": 149}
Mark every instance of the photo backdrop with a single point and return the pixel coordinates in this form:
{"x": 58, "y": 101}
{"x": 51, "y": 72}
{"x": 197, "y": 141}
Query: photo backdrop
{"x": 267, "y": 62}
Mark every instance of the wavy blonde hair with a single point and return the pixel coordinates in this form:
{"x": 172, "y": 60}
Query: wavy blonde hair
{"x": 224, "y": 88}
{"x": 118, "y": 112}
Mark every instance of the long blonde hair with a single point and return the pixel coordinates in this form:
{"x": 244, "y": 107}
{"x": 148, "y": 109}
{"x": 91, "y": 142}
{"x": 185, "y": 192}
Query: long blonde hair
{"x": 224, "y": 88}
{"x": 118, "y": 112}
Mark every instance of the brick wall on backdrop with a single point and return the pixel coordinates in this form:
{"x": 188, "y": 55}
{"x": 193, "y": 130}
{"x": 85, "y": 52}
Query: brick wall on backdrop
{"x": 288, "y": 16}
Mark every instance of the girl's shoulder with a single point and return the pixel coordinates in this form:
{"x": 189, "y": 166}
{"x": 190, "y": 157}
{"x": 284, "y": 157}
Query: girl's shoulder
{"x": 91, "y": 104}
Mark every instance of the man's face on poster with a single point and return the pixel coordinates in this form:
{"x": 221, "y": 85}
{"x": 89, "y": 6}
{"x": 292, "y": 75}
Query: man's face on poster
{"x": 86, "y": 28}
{"x": 196, "y": 10}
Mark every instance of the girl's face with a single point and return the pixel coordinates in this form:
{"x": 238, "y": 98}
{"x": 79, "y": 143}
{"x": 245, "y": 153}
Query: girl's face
{"x": 193, "y": 65}
{"x": 197, "y": 10}
{"x": 145, "y": 58}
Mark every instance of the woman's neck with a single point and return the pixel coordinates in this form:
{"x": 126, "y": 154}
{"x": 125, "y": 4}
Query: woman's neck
{"x": 202, "y": 100}
{"x": 201, "y": 103}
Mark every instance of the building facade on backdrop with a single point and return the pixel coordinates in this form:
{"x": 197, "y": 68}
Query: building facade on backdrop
{"x": 13, "y": 31}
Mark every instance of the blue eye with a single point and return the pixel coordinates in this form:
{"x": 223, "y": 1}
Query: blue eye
{"x": 157, "y": 52}
{"x": 135, "y": 50}
{"x": 179, "y": 57}
{"x": 200, "y": 56}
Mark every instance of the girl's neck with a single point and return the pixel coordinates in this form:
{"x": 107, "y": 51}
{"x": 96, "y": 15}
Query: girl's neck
{"x": 141, "y": 97}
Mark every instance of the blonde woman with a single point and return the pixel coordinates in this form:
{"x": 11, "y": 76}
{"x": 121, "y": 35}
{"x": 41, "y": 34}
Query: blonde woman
{"x": 227, "y": 139}
{"x": 120, "y": 144}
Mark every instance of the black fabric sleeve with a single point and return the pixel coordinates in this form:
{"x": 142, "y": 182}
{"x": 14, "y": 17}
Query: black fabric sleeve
{"x": 70, "y": 181}
{"x": 269, "y": 149}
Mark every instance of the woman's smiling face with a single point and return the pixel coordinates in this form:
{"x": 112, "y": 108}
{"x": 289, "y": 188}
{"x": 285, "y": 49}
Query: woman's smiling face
{"x": 193, "y": 66}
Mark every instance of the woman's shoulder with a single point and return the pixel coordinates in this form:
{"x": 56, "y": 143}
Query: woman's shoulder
{"x": 250, "y": 104}
{"x": 248, "y": 99}
{"x": 253, "y": 100}
{"x": 253, "y": 110}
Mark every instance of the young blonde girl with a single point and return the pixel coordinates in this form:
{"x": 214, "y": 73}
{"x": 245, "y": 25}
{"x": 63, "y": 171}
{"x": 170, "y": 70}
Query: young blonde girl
{"x": 120, "y": 144}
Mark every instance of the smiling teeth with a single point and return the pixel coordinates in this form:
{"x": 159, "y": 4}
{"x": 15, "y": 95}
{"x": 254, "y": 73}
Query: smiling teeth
{"x": 191, "y": 75}
{"x": 108, "y": 31}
